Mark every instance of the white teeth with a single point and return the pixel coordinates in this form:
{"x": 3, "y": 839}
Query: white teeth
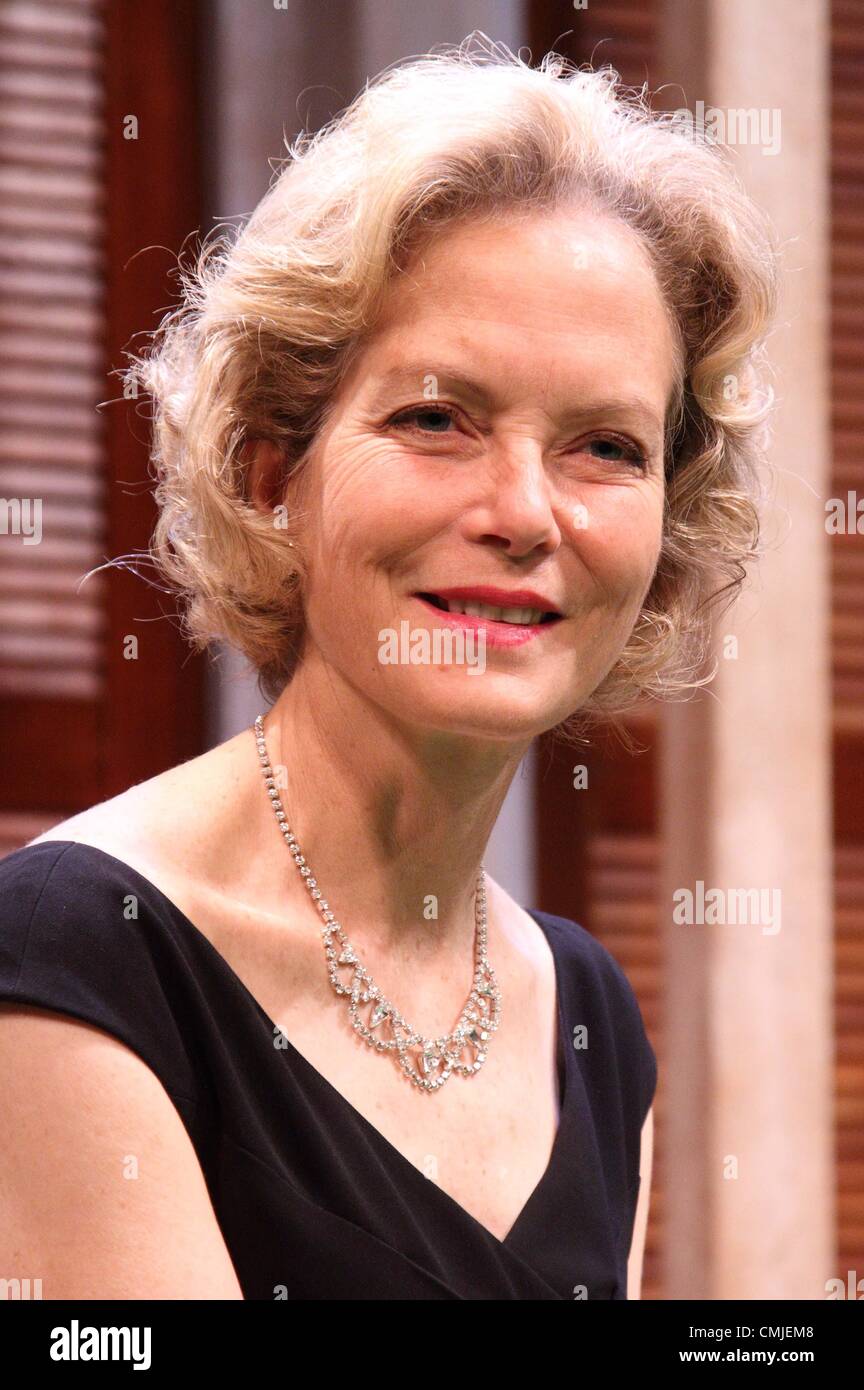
{"x": 498, "y": 615}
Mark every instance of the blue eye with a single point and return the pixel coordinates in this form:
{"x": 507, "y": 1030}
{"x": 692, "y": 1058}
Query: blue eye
{"x": 442, "y": 414}
{"x": 630, "y": 452}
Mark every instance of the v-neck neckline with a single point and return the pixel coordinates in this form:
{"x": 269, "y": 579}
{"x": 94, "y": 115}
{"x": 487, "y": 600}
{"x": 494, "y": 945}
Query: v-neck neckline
{"x": 562, "y": 1057}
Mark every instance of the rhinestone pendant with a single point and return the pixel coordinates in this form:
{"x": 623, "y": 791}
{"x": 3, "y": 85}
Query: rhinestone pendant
{"x": 426, "y": 1062}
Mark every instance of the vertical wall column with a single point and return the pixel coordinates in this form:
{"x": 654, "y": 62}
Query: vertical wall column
{"x": 746, "y": 766}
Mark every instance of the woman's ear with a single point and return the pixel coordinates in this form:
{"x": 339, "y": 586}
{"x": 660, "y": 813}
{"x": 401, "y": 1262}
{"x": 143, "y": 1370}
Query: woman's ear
{"x": 265, "y": 479}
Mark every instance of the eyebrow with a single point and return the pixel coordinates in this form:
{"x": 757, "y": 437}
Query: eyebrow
{"x": 454, "y": 377}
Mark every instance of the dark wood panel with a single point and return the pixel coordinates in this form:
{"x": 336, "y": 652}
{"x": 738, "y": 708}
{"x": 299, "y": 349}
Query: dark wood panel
{"x": 90, "y": 228}
{"x": 154, "y": 718}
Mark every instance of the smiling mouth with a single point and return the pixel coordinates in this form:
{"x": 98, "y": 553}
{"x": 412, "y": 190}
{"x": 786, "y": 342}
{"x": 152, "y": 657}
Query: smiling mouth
{"x": 518, "y": 617}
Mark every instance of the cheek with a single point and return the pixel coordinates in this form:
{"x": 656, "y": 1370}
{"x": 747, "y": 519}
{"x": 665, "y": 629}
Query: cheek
{"x": 342, "y": 508}
{"x": 376, "y": 526}
{"x": 619, "y": 548}
{"x": 365, "y": 500}
{"x": 621, "y": 537}
{"x": 365, "y": 543}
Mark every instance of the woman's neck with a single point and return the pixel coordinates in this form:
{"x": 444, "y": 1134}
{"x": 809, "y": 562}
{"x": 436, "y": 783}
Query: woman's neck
{"x": 393, "y": 819}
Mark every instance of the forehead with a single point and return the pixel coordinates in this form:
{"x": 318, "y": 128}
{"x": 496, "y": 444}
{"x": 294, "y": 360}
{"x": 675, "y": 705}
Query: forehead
{"x": 568, "y": 293}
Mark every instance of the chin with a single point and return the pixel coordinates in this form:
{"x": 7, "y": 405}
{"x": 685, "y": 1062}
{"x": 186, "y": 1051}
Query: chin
{"x": 502, "y": 707}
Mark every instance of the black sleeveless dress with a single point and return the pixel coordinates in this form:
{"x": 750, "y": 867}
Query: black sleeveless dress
{"x": 312, "y": 1201}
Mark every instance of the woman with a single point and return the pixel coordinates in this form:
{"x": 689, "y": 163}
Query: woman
{"x": 482, "y": 365}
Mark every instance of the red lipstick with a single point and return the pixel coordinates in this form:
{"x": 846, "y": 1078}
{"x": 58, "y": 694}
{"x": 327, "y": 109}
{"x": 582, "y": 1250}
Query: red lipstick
{"x": 498, "y": 598}
{"x": 496, "y": 633}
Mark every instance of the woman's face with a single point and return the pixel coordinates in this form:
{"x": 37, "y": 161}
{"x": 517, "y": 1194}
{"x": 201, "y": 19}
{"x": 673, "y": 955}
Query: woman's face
{"x": 490, "y": 436}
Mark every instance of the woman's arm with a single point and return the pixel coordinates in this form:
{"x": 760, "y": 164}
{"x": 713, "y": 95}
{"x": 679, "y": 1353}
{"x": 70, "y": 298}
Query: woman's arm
{"x": 101, "y": 1190}
{"x": 640, "y": 1224}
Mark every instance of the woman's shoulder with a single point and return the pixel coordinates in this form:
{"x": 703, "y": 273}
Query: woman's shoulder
{"x": 67, "y": 873}
{"x": 63, "y": 899}
{"x": 171, "y": 830}
{"x": 592, "y": 964}
{"x": 83, "y": 934}
{"x": 150, "y": 817}
{"x": 593, "y": 980}
{"x": 603, "y": 1010}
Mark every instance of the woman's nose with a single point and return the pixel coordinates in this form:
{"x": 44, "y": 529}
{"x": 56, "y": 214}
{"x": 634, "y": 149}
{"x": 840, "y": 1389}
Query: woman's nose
{"x": 516, "y": 506}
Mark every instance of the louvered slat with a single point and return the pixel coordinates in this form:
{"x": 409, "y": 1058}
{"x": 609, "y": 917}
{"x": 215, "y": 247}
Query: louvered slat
{"x": 847, "y": 573}
{"x": 51, "y": 348}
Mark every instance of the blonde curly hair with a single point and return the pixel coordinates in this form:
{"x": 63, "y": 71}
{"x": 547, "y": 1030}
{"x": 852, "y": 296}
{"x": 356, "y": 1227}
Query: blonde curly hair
{"x": 272, "y": 316}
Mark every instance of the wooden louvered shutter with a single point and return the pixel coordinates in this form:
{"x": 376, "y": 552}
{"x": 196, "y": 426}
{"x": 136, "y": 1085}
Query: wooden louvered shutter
{"x": 78, "y": 721}
{"x": 847, "y": 575}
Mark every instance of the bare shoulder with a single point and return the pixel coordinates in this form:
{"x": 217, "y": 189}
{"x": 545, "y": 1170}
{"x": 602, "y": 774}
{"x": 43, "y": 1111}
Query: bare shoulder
{"x": 152, "y": 822}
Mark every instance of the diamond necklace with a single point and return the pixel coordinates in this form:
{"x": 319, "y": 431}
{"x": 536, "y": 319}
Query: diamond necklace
{"x": 427, "y": 1062}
